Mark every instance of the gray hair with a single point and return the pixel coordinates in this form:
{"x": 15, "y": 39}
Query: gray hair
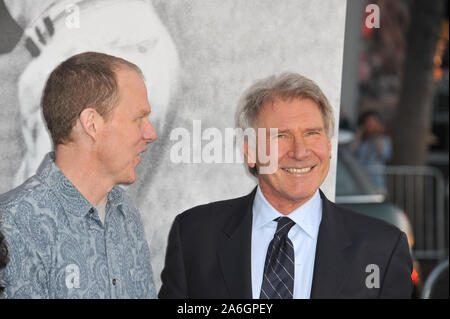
{"x": 284, "y": 86}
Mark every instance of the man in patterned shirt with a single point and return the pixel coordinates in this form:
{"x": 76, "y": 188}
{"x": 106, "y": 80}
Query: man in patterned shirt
{"x": 71, "y": 232}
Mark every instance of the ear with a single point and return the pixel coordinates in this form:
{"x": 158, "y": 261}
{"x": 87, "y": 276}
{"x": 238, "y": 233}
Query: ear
{"x": 249, "y": 154}
{"x": 89, "y": 121}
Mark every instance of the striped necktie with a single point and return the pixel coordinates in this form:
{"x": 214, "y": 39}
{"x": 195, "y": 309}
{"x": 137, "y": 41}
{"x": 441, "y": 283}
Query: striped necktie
{"x": 278, "y": 281}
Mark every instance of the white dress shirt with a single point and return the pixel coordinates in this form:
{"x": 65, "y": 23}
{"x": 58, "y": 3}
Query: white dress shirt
{"x": 303, "y": 236}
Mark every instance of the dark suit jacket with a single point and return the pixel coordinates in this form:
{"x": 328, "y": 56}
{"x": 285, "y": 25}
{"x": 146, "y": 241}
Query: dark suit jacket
{"x": 208, "y": 254}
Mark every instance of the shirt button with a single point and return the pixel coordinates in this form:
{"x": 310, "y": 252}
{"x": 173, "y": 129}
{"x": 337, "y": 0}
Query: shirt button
{"x": 91, "y": 211}
{"x": 114, "y": 281}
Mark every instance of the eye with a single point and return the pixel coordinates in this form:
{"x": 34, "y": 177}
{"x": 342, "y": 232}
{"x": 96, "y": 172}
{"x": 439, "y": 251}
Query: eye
{"x": 139, "y": 120}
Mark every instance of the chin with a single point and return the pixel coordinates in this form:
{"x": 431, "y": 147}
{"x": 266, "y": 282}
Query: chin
{"x": 132, "y": 180}
{"x": 129, "y": 180}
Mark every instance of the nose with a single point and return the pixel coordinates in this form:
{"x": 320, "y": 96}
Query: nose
{"x": 149, "y": 132}
{"x": 299, "y": 149}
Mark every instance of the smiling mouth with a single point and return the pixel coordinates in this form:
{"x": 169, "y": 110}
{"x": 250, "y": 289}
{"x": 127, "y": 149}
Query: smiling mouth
{"x": 298, "y": 170}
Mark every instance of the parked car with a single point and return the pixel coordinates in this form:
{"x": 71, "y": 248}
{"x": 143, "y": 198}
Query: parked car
{"x": 436, "y": 285}
{"x": 355, "y": 191}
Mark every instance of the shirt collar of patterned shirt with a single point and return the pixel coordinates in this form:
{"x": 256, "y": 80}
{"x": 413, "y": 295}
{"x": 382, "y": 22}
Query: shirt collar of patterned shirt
{"x": 73, "y": 201}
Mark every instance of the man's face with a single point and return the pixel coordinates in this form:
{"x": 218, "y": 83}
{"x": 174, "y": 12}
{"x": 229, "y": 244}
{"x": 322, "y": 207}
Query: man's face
{"x": 373, "y": 126}
{"x": 125, "y": 134}
{"x": 303, "y": 152}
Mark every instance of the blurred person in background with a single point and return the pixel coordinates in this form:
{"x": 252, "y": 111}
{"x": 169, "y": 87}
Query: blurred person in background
{"x": 382, "y": 58}
{"x": 372, "y": 147}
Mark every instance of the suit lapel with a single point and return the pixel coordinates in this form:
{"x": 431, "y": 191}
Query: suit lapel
{"x": 330, "y": 267}
{"x": 235, "y": 252}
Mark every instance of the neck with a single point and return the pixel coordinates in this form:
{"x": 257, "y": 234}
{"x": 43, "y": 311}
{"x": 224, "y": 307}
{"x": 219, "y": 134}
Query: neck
{"x": 82, "y": 170}
{"x": 282, "y": 204}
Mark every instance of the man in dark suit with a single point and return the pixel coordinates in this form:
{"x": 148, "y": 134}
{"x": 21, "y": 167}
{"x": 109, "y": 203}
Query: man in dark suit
{"x": 285, "y": 239}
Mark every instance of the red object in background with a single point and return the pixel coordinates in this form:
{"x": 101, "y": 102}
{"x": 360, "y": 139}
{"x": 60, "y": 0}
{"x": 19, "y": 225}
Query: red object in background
{"x": 415, "y": 277}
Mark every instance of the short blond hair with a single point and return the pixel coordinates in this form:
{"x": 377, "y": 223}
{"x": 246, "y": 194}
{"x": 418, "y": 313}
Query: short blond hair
{"x": 86, "y": 80}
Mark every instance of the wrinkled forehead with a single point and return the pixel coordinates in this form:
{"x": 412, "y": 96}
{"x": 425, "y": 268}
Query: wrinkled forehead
{"x": 275, "y": 98}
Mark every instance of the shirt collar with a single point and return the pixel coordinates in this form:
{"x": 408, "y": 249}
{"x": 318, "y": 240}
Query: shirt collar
{"x": 71, "y": 199}
{"x": 307, "y": 216}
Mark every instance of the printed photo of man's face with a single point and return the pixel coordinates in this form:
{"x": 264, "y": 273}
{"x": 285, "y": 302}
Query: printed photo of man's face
{"x": 65, "y": 28}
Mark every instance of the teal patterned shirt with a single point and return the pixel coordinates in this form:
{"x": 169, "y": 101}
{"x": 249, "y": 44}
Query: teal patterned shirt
{"x": 59, "y": 248}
